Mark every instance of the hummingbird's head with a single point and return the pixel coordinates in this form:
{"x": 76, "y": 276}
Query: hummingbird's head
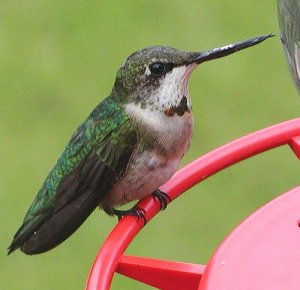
{"x": 158, "y": 76}
{"x": 154, "y": 74}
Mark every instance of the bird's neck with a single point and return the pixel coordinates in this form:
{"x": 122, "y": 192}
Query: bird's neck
{"x": 162, "y": 130}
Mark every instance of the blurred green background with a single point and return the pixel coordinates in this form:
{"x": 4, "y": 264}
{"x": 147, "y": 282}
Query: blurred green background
{"x": 58, "y": 60}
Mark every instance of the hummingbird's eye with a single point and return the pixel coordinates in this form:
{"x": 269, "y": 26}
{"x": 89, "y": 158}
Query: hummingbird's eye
{"x": 157, "y": 68}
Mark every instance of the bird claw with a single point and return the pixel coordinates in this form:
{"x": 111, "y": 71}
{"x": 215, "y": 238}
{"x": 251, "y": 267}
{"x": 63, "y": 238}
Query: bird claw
{"x": 140, "y": 213}
{"x": 162, "y": 197}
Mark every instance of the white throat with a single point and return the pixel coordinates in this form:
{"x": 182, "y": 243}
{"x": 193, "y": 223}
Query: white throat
{"x": 154, "y": 119}
{"x": 173, "y": 87}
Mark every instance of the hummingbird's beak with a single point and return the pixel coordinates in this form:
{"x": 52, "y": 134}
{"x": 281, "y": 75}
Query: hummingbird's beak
{"x": 227, "y": 49}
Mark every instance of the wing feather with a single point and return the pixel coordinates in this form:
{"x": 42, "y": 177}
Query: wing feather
{"x": 52, "y": 219}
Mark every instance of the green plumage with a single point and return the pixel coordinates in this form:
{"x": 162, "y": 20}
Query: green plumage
{"x": 106, "y": 119}
{"x": 106, "y": 139}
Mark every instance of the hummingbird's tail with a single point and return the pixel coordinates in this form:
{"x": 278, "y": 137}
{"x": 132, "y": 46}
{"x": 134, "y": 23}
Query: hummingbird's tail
{"x": 45, "y": 232}
{"x": 75, "y": 200}
{"x": 24, "y": 232}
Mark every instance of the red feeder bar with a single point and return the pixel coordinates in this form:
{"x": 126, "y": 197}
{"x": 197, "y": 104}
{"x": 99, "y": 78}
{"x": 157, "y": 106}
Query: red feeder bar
{"x": 248, "y": 255}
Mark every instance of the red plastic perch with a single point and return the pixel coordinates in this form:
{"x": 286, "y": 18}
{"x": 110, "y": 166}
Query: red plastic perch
{"x": 108, "y": 257}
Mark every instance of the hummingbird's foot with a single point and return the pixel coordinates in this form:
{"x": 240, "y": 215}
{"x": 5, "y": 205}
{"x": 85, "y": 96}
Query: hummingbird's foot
{"x": 135, "y": 211}
{"x": 162, "y": 197}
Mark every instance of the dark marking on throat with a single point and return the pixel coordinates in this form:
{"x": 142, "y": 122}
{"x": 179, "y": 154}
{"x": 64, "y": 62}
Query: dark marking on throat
{"x": 179, "y": 110}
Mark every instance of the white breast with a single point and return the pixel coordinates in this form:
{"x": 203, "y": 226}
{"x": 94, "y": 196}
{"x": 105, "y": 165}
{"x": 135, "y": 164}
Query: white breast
{"x": 171, "y": 131}
{"x": 149, "y": 169}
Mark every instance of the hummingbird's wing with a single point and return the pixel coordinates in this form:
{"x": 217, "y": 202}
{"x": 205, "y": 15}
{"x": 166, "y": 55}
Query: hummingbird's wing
{"x": 96, "y": 156}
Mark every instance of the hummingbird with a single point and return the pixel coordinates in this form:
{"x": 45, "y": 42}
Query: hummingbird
{"x": 129, "y": 145}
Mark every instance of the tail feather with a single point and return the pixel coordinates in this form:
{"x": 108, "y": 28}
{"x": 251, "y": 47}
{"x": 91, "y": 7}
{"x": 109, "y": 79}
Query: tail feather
{"x": 25, "y": 231}
{"x": 60, "y": 226}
